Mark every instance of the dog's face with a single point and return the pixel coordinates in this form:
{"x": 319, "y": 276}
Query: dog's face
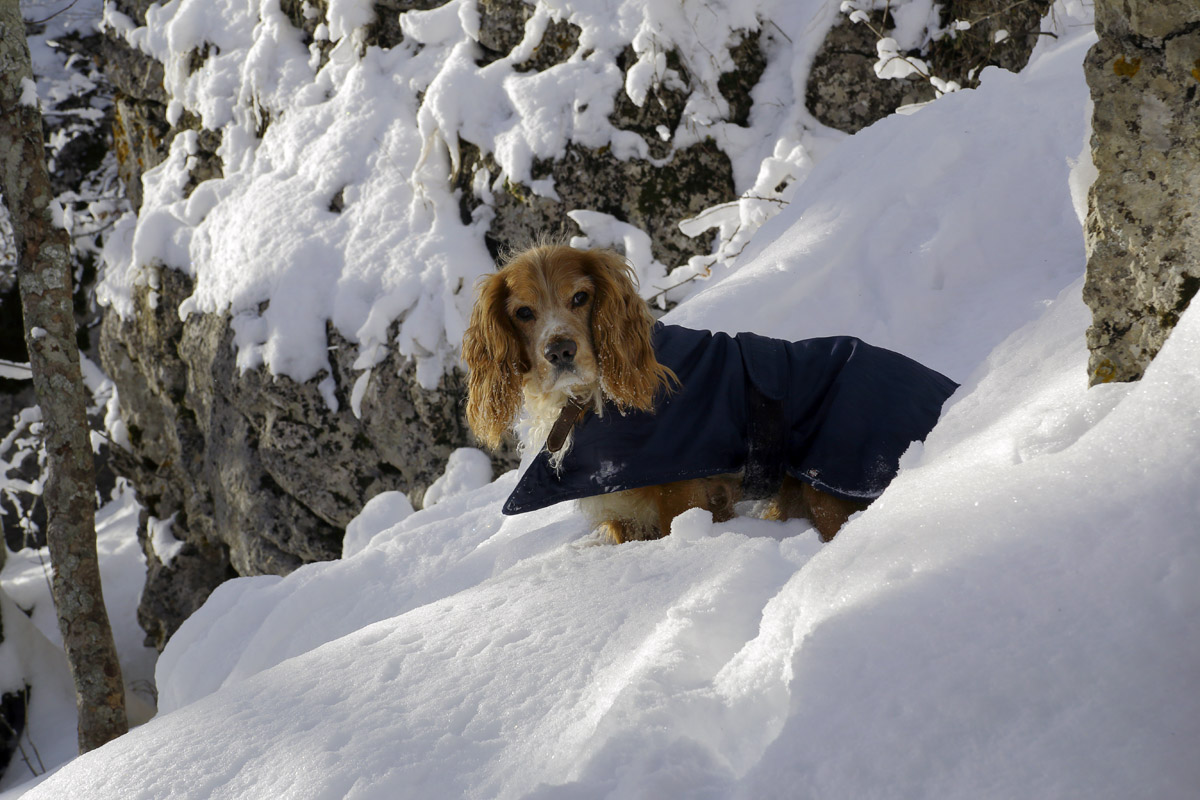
{"x": 557, "y": 322}
{"x": 549, "y": 304}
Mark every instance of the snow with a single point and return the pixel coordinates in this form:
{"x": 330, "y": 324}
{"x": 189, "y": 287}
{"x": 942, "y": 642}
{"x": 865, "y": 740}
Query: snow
{"x": 162, "y": 540}
{"x": 380, "y": 513}
{"x": 1014, "y": 617}
{"x": 16, "y": 371}
{"x": 467, "y": 469}
{"x": 29, "y": 94}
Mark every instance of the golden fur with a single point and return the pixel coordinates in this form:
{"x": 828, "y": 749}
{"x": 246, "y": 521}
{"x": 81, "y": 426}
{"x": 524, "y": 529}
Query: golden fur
{"x": 555, "y": 323}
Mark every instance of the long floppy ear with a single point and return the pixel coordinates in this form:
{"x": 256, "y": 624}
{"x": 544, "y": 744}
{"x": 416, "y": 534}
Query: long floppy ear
{"x": 621, "y": 325}
{"x": 494, "y": 356}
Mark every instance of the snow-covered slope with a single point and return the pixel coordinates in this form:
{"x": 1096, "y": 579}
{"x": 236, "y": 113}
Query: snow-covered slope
{"x": 1013, "y": 618}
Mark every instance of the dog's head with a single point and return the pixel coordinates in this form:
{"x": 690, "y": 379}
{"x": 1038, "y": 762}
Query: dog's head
{"x": 556, "y": 321}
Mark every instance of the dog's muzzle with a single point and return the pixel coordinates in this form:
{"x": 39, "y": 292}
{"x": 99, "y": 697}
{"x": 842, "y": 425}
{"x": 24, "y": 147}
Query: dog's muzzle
{"x": 560, "y": 354}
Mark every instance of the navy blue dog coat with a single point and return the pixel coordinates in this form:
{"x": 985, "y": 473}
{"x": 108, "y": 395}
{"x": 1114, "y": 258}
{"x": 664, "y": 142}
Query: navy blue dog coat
{"x": 835, "y": 412}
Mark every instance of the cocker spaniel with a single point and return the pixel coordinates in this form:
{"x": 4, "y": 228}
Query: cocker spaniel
{"x": 641, "y": 421}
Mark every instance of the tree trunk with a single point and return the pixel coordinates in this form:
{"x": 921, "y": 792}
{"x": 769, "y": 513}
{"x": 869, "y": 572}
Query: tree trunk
{"x": 44, "y": 273}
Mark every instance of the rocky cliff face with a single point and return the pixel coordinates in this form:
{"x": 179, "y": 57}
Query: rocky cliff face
{"x": 260, "y": 474}
{"x": 1143, "y": 230}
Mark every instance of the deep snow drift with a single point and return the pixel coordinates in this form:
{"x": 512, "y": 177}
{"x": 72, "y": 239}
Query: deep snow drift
{"x": 1013, "y": 618}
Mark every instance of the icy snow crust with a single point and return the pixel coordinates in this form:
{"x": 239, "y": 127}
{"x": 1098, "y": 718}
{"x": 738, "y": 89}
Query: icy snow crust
{"x": 1015, "y": 617}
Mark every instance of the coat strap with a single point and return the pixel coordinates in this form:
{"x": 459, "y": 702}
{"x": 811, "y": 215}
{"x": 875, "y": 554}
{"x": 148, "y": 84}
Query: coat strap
{"x": 567, "y": 418}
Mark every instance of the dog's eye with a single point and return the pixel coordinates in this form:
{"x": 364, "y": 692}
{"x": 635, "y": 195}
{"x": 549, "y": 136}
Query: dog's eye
{"x": 524, "y": 313}
{"x": 579, "y": 299}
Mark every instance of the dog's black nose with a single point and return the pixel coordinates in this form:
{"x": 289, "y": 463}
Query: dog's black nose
{"x": 560, "y": 352}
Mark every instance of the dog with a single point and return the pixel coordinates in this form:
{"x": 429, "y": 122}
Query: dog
{"x": 641, "y": 421}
